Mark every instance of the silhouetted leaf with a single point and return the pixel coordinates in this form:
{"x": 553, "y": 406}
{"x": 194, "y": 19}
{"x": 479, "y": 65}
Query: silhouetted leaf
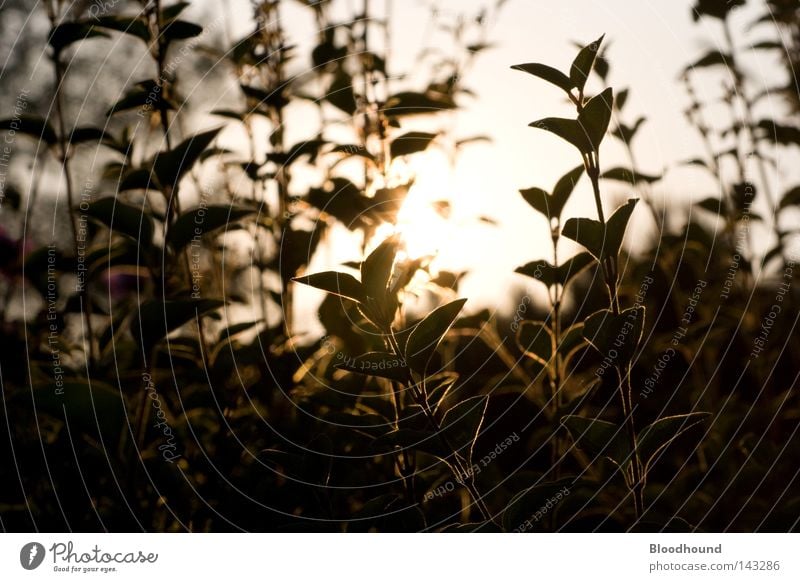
{"x": 33, "y": 126}
{"x": 599, "y": 240}
{"x": 791, "y": 197}
{"x": 171, "y": 166}
{"x": 200, "y": 221}
{"x": 582, "y": 65}
{"x": 626, "y": 175}
{"x": 567, "y": 129}
{"x": 536, "y": 341}
{"x": 462, "y": 424}
{"x": 180, "y": 30}
{"x": 376, "y": 270}
{"x": 615, "y": 337}
{"x": 657, "y": 436}
{"x": 64, "y": 34}
{"x": 711, "y": 58}
{"x": 340, "y": 93}
{"x": 411, "y": 143}
{"x": 599, "y": 438}
{"x": 122, "y": 218}
{"x": 427, "y": 335}
{"x": 159, "y": 317}
{"x": 135, "y": 26}
{"x": 595, "y": 117}
{"x": 411, "y": 103}
{"x": 380, "y": 364}
{"x": 548, "y": 274}
{"x": 549, "y": 74}
{"x": 340, "y": 284}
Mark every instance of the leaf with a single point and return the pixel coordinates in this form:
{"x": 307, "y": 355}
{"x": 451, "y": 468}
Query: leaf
{"x": 536, "y": 341}
{"x": 599, "y": 438}
{"x": 376, "y": 270}
{"x": 551, "y": 275}
{"x": 340, "y": 284}
{"x": 171, "y": 166}
{"x": 567, "y": 129}
{"x": 200, "y": 221}
{"x": 615, "y": 337}
{"x": 790, "y": 198}
{"x": 427, "y": 335}
{"x": 411, "y": 143}
{"x": 715, "y": 205}
{"x": 548, "y": 73}
{"x": 340, "y": 93}
{"x": 599, "y": 240}
{"x": 595, "y": 117}
{"x": 565, "y": 186}
{"x": 129, "y": 25}
{"x": 462, "y": 423}
{"x": 626, "y": 175}
{"x": 583, "y": 64}
{"x": 122, "y": 218}
{"x": 381, "y": 364}
{"x": 710, "y": 59}
{"x": 145, "y": 95}
{"x": 85, "y": 406}
{"x": 353, "y": 150}
{"x": 626, "y": 133}
{"x": 236, "y": 329}
{"x": 539, "y": 200}
{"x": 158, "y": 318}
{"x": 33, "y": 126}
{"x": 657, "y": 436}
{"x": 412, "y": 103}
{"x": 180, "y": 30}
{"x": 173, "y": 11}
{"x": 63, "y": 35}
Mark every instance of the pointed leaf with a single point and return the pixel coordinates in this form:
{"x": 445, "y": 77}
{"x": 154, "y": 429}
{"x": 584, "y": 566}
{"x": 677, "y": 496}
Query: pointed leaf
{"x": 376, "y": 270}
{"x": 36, "y": 127}
{"x": 595, "y": 117}
{"x": 462, "y": 424}
{"x": 536, "y": 341}
{"x": 172, "y": 165}
{"x": 336, "y": 283}
{"x": 601, "y": 242}
{"x": 63, "y": 35}
{"x": 158, "y": 318}
{"x": 657, "y": 436}
{"x": 583, "y": 64}
{"x": 615, "y": 337}
{"x": 549, "y": 74}
{"x": 567, "y": 129}
{"x": 426, "y": 336}
{"x": 195, "y": 223}
{"x": 122, "y": 218}
{"x": 626, "y": 175}
{"x": 411, "y": 143}
{"x": 599, "y": 438}
{"x": 380, "y": 364}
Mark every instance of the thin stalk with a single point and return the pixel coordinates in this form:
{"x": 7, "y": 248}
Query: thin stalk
{"x": 461, "y": 473}
{"x": 610, "y": 272}
{"x": 86, "y": 303}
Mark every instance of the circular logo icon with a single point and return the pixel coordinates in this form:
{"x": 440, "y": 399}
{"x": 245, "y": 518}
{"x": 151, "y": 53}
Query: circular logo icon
{"x": 31, "y": 555}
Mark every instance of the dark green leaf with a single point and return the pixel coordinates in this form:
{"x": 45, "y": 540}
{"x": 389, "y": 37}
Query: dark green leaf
{"x": 536, "y": 341}
{"x": 582, "y": 65}
{"x": 198, "y": 222}
{"x": 427, "y": 335}
{"x": 411, "y": 143}
{"x": 601, "y": 242}
{"x": 340, "y": 284}
{"x": 549, "y": 74}
{"x": 122, "y": 218}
